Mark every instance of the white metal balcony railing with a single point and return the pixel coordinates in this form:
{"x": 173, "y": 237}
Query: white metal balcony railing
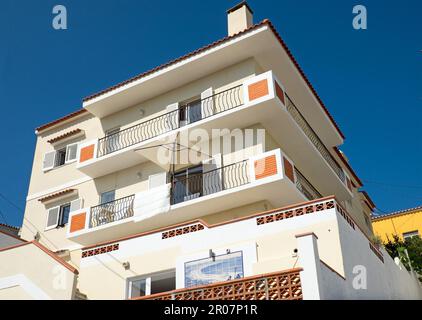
{"x": 193, "y": 187}
{"x": 111, "y": 211}
{"x": 184, "y": 115}
{"x": 206, "y": 183}
{"x": 304, "y": 186}
{"x": 199, "y": 110}
{"x": 313, "y": 137}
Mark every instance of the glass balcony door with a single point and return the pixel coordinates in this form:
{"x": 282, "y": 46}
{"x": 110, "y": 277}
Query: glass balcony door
{"x": 187, "y": 184}
{"x": 190, "y": 113}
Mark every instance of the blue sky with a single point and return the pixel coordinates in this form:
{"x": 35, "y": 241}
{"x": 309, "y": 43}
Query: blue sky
{"x": 371, "y": 81}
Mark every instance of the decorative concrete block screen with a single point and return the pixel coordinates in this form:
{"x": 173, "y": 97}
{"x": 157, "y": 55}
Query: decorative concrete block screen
{"x": 284, "y": 285}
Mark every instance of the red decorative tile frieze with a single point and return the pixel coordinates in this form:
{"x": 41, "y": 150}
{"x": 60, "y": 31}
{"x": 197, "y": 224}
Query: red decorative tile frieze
{"x": 100, "y": 250}
{"x": 346, "y": 216}
{"x": 181, "y": 231}
{"x": 286, "y": 214}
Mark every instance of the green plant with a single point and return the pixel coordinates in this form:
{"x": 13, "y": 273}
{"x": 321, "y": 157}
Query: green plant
{"x": 413, "y": 258}
{"x": 376, "y": 240}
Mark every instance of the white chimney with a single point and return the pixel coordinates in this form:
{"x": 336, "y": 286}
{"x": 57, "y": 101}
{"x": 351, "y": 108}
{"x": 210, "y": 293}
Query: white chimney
{"x": 239, "y": 18}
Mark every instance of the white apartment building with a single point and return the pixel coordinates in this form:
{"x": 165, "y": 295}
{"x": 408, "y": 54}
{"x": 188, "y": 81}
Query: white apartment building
{"x": 213, "y": 176}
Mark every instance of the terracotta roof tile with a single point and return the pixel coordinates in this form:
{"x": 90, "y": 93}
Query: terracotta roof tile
{"x": 346, "y": 163}
{"x": 144, "y": 74}
{"x": 65, "y": 135}
{"x": 12, "y": 234}
{"x": 369, "y": 200}
{"x": 397, "y": 213}
{"x": 227, "y": 38}
{"x": 56, "y": 195}
{"x": 10, "y": 227}
{"x": 65, "y": 118}
{"x": 172, "y": 62}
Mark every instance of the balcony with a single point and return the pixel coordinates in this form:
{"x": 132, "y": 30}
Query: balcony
{"x": 284, "y": 285}
{"x": 185, "y": 115}
{"x": 260, "y": 99}
{"x": 200, "y": 183}
{"x": 304, "y": 186}
{"x": 111, "y": 211}
{"x": 119, "y": 150}
{"x": 195, "y": 192}
{"x": 313, "y": 137}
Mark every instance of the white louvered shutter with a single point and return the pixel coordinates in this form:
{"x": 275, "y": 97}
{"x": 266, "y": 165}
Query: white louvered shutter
{"x": 207, "y": 103}
{"x": 53, "y": 218}
{"x": 49, "y": 160}
{"x": 212, "y": 180}
{"x": 76, "y": 204}
{"x": 71, "y": 151}
{"x": 157, "y": 180}
{"x": 171, "y": 118}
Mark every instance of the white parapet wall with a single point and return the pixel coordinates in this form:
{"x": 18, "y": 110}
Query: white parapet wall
{"x": 369, "y": 272}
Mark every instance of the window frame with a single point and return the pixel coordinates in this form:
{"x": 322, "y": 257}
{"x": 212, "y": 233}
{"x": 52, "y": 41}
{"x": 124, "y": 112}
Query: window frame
{"x": 58, "y": 223}
{"x": 101, "y": 196}
{"x": 148, "y": 281}
{"x": 67, "y": 153}
{"x": 53, "y": 226}
{"x": 60, "y": 151}
{"x": 411, "y": 234}
{"x": 57, "y": 151}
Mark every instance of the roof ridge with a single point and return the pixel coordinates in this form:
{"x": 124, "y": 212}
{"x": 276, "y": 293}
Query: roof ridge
{"x": 166, "y": 64}
{"x": 64, "y": 118}
{"x": 398, "y": 212}
{"x": 9, "y": 226}
{"x": 203, "y": 48}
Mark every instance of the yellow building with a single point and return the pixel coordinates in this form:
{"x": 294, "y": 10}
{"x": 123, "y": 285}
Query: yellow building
{"x": 405, "y": 224}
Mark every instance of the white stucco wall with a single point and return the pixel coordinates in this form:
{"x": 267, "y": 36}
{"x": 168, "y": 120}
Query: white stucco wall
{"x": 384, "y": 281}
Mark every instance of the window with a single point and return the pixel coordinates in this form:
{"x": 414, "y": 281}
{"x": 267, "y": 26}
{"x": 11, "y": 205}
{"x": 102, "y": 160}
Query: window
{"x": 215, "y": 269}
{"x": 60, "y": 157}
{"x": 190, "y": 111}
{"x": 107, "y": 197}
{"x": 410, "y": 235}
{"x": 187, "y": 184}
{"x": 138, "y": 288}
{"x": 152, "y": 284}
{"x": 58, "y": 216}
{"x": 64, "y": 215}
